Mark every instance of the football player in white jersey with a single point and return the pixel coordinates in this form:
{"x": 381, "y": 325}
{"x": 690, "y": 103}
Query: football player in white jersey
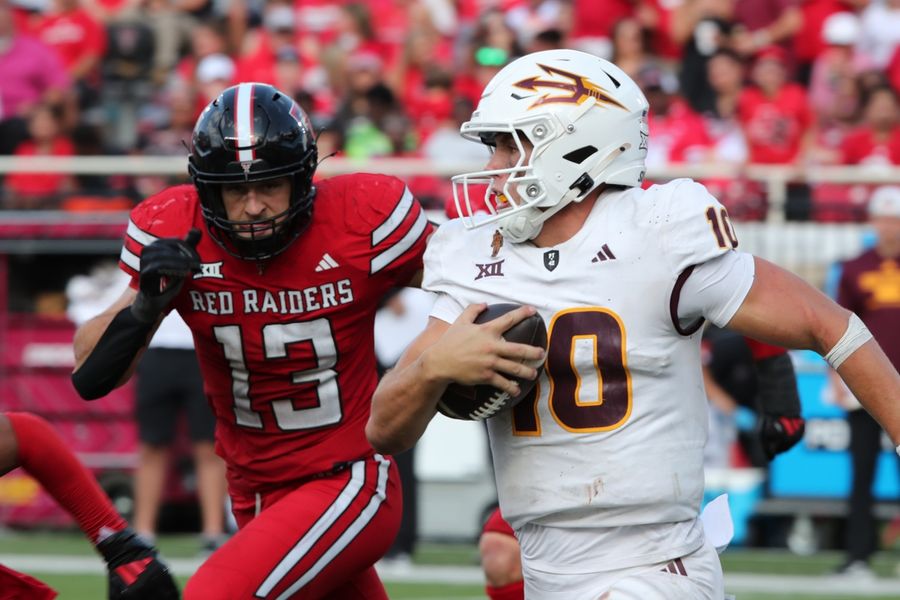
{"x": 600, "y": 469}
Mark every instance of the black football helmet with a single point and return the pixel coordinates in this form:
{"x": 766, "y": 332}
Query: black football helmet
{"x": 253, "y": 132}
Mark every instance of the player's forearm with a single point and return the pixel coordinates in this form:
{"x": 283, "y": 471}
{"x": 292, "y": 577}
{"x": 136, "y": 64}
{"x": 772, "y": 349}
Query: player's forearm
{"x": 107, "y": 349}
{"x": 876, "y": 384}
{"x": 402, "y": 406}
{"x": 88, "y": 334}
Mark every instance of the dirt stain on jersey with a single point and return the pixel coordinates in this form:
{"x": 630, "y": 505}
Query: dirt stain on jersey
{"x": 595, "y": 489}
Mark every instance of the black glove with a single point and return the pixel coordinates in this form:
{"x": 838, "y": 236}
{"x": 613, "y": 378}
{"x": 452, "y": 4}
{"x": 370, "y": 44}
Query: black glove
{"x": 780, "y": 433}
{"x": 135, "y": 571}
{"x": 780, "y": 426}
{"x": 164, "y": 266}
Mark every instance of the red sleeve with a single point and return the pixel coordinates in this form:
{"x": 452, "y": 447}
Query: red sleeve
{"x": 497, "y": 524}
{"x": 761, "y": 350}
{"x": 169, "y": 213}
{"x": 394, "y": 223}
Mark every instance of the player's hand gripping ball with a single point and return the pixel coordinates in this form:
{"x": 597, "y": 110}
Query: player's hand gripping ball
{"x": 479, "y": 402}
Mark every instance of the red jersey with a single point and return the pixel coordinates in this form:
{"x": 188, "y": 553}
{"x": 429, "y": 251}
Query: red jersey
{"x": 40, "y": 184}
{"x": 862, "y": 147}
{"x": 286, "y": 347}
{"x": 74, "y": 34}
{"x": 774, "y": 126}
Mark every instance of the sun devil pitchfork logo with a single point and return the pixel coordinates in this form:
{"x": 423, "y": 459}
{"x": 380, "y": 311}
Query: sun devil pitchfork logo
{"x": 568, "y": 87}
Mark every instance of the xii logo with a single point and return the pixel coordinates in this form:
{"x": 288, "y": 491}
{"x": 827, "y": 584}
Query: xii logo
{"x": 213, "y": 270}
{"x": 494, "y": 269}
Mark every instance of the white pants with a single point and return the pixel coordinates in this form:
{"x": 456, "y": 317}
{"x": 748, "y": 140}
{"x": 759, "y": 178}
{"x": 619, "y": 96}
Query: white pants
{"x": 697, "y": 576}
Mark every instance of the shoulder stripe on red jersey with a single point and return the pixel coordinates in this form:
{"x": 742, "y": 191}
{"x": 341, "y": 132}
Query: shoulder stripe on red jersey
{"x": 400, "y": 215}
{"x": 142, "y": 238}
{"x": 243, "y": 122}
{"x": 384, "y": 259}
{"x": 348, "y": 495}
{"x": 396, "y": 218}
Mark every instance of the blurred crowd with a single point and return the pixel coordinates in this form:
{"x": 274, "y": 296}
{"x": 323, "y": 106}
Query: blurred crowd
{"x": 782, "y": 82}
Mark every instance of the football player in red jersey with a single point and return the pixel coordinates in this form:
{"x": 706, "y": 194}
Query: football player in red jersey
{"x": 279, "y": 280}
{"x": 133, "y": 568}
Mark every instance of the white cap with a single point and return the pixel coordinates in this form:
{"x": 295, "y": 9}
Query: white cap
{"x": 885, "y": 202}
{"x": 841, "y": 29}
{"x": 279, "y": 18}
{"x": 215, "y": 67}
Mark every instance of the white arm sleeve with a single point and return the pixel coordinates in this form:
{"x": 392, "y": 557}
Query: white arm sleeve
{"x": 716, "y": 288}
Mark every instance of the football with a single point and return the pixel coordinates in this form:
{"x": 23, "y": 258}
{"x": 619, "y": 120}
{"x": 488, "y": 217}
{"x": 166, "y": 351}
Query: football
{"x": 479, "y": 402}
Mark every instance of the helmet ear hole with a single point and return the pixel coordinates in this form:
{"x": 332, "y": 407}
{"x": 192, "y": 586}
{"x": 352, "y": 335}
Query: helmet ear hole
{"x": 580, "y": 155}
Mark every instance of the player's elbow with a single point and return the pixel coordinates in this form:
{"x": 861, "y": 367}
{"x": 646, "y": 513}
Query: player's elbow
{"x": 385, "y": 439}
{"x": 90, "y": 387}
{"x": 826, "y": 327}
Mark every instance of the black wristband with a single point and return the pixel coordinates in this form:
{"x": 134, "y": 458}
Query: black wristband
{"x": 778, "y": 393}
{"x": 112, "y": 356}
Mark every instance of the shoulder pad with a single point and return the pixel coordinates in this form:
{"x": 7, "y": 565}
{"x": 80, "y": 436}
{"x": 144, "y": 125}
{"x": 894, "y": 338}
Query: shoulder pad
{"x": 694, "y": 226}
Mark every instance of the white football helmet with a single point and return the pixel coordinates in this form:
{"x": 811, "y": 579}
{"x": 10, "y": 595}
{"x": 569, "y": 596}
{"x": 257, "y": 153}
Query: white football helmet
{"x": 587, "y": 122}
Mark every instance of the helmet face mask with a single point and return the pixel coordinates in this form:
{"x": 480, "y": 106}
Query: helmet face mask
{"x": 253, "y": 132}
{"x": 585, "y": 121}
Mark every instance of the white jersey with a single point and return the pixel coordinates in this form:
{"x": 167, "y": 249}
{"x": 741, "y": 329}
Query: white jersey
{"x": 614, "y": 434}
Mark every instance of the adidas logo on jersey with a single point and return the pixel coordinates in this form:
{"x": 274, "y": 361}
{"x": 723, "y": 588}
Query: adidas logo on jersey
{"x": 604, "y": 254}
{"x": 326, "y": 263}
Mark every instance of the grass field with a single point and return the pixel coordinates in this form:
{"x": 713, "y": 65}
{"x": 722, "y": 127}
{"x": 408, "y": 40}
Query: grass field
{"x": 767, "y": 565}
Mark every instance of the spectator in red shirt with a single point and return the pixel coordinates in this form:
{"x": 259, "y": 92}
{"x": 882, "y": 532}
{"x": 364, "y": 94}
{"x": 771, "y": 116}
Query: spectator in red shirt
{"x": 677, "y": 132}
{"x": 877, "y": 141}
{"x": 774, "y": 113}
{"x": 808, "y": 42}
{"x": 426, "y": 56}
{"x": 592, "y": 21}
{"x": 80, "y": 41}
{"x": 40, "y": 190}
{"x": 261, "y": 47}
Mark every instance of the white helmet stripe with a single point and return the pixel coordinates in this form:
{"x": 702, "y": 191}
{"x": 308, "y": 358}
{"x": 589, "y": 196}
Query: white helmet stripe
{"x": 243, "y": 122}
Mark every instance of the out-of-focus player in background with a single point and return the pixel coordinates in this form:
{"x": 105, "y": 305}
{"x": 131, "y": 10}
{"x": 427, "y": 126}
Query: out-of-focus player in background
{"x": 279, "y": 280}
{"x": 869, "y": 284}
{"x": 752, "y": 390}
{"x": 600, "y": 470}
{"x": 134, "y": 569}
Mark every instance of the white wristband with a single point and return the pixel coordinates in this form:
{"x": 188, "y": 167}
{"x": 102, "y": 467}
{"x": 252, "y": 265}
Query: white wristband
{"x": 898, "y": 450}
{"x": 855, "y": 336}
